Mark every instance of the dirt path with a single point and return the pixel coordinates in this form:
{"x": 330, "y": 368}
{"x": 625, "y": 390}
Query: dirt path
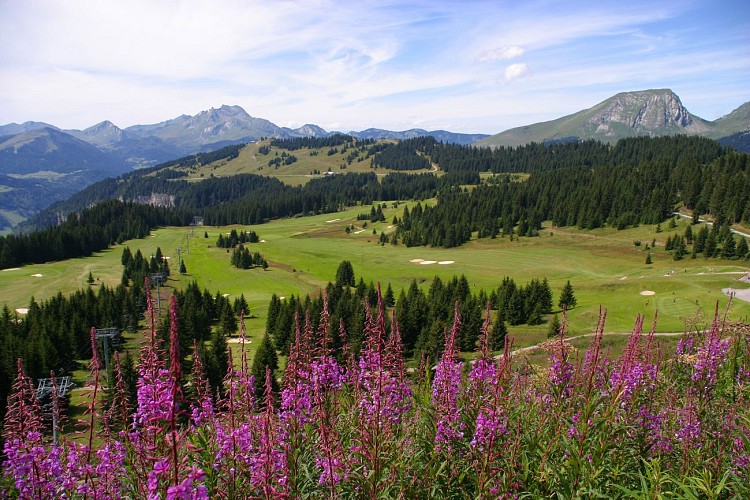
{"x": 710, "y": 224}
{"x": 605, "y": 334}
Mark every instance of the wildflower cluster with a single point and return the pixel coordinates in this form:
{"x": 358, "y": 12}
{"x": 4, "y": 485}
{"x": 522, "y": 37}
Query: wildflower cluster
{"x": 358, "y": 425}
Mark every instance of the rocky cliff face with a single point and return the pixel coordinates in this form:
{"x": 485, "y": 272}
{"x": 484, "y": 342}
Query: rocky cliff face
{"x": 647, "y": 113}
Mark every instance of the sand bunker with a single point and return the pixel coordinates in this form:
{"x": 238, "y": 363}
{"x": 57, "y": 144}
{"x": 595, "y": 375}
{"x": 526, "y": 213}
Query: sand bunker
{"x": 12, "y": 269}
{"x": 416, "y": 261}
{"x": 648, "y": 292}
{"x": 262, "y": 241}
{"x": 22, "y": 310}
{"x": 444, "y": 262}
{"x": 623, "y": 278}
{"x": 37, "y": 275}
{"x": 360, "y": 231}
{"x": 333, "y": 220}
{"x": 238, "y": 340}
{"x": 428, "y": 262}
{"x": 282, "y": 297}
{"x": 225, "y": 295}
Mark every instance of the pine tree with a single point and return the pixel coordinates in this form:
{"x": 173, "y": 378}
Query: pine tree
{"x": 216, "y": 361}
{"x": 741, "y": 251}
{"x": 567, "y": 298}
{"x": 729, "y": 248}
{"x": 689, "y": 235}
{"x": 264, "y": 356}
{"x": 345, "y": 274}
{"x": 499, "y": 332}
{"x": 535, "y": 317}
{"x": 648, "y": 258}
{"x": 183, "y": 267}
{"x": 389, "y": 299}
{"x": 126, "y": 256}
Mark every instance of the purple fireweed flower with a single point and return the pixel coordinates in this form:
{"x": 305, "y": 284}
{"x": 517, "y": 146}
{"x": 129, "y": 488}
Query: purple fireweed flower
{"x": 188, "y": 489}
{"x": 560, "y": 369}
{"x": 634, "y": 378}
{"x": 161, "y": 468}
{"x": 709, "y": 357}
{"x": 483, "y": 370}
{"x": 331, "y": 470}
{"x": 36, "y": 472}
{"x": 560, "y": 373}
{"x": 383, "y": 397}
{"x": 326, "y": 374}
{"x": 492, "y": 424}
{"x": 268, "y": 464}
{"x": 689, "y": 428}
{"x": 445, "y": 391}
{"x": 111, "y": 461}
{"x": 204, "y": 410}
{"x": 24, "y": 414}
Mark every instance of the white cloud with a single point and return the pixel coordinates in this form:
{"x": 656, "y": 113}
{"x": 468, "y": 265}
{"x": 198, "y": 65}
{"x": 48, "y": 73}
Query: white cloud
{"x": 515, "y": 71}
{"x": 501, "y": 53}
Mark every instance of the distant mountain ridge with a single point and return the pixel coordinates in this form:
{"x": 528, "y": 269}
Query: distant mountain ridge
{"x": 40, "y": 163}
{"x": 628, "y": 114}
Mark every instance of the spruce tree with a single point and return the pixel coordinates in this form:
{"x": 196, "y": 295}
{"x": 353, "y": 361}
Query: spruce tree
{"x": 499, "y": 332}
{"x": 217, "y": 361}
{"x": 741, "y": 250}
{"x": 729, "y": 248}
{"x": 390, "y": 299}
{"x": 345, "y": 274}
{"x": 567, "y": 298}
{"x": 264, "y": 356}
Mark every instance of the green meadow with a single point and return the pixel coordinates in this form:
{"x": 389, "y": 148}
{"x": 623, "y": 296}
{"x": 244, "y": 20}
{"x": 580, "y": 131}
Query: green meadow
{"x": 310, "y": 164}
{"x": 605, "y": 267}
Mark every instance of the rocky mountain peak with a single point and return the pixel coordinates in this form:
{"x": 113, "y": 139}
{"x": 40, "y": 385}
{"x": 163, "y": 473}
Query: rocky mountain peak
{"x": 650, "y": 112}
{"x": 101, "y": 134}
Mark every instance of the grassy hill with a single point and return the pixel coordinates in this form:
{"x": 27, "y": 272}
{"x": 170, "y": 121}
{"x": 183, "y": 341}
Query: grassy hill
{"x": 311, "y": 163}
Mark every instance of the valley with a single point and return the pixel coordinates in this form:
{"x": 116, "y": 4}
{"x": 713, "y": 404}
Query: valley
{"x": 604, "y": 266}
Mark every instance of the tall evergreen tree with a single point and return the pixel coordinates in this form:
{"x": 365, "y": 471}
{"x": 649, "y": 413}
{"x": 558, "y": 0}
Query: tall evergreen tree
{"x": 345, "y": 274}
{"x": 264, "y": 356}
{"x": 567, "y": 297}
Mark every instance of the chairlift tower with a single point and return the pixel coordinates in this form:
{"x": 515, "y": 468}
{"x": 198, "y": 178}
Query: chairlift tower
{"x": 158, "y": 278}
{"x": 44, "y": 389}
{"x": 106, "y": 335}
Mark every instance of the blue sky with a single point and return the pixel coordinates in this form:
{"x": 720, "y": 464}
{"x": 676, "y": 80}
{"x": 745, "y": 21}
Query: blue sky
{"x": 464, "y": 66}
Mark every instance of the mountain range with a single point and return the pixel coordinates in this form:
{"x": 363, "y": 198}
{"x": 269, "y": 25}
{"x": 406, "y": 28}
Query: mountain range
{"x": 40, "y": 163}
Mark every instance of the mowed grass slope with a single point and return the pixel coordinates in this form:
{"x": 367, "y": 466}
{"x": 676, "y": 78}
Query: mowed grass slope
{"x": 605, "y": 267}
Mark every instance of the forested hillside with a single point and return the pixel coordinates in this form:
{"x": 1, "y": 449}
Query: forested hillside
{"x": 587, "y": 184}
